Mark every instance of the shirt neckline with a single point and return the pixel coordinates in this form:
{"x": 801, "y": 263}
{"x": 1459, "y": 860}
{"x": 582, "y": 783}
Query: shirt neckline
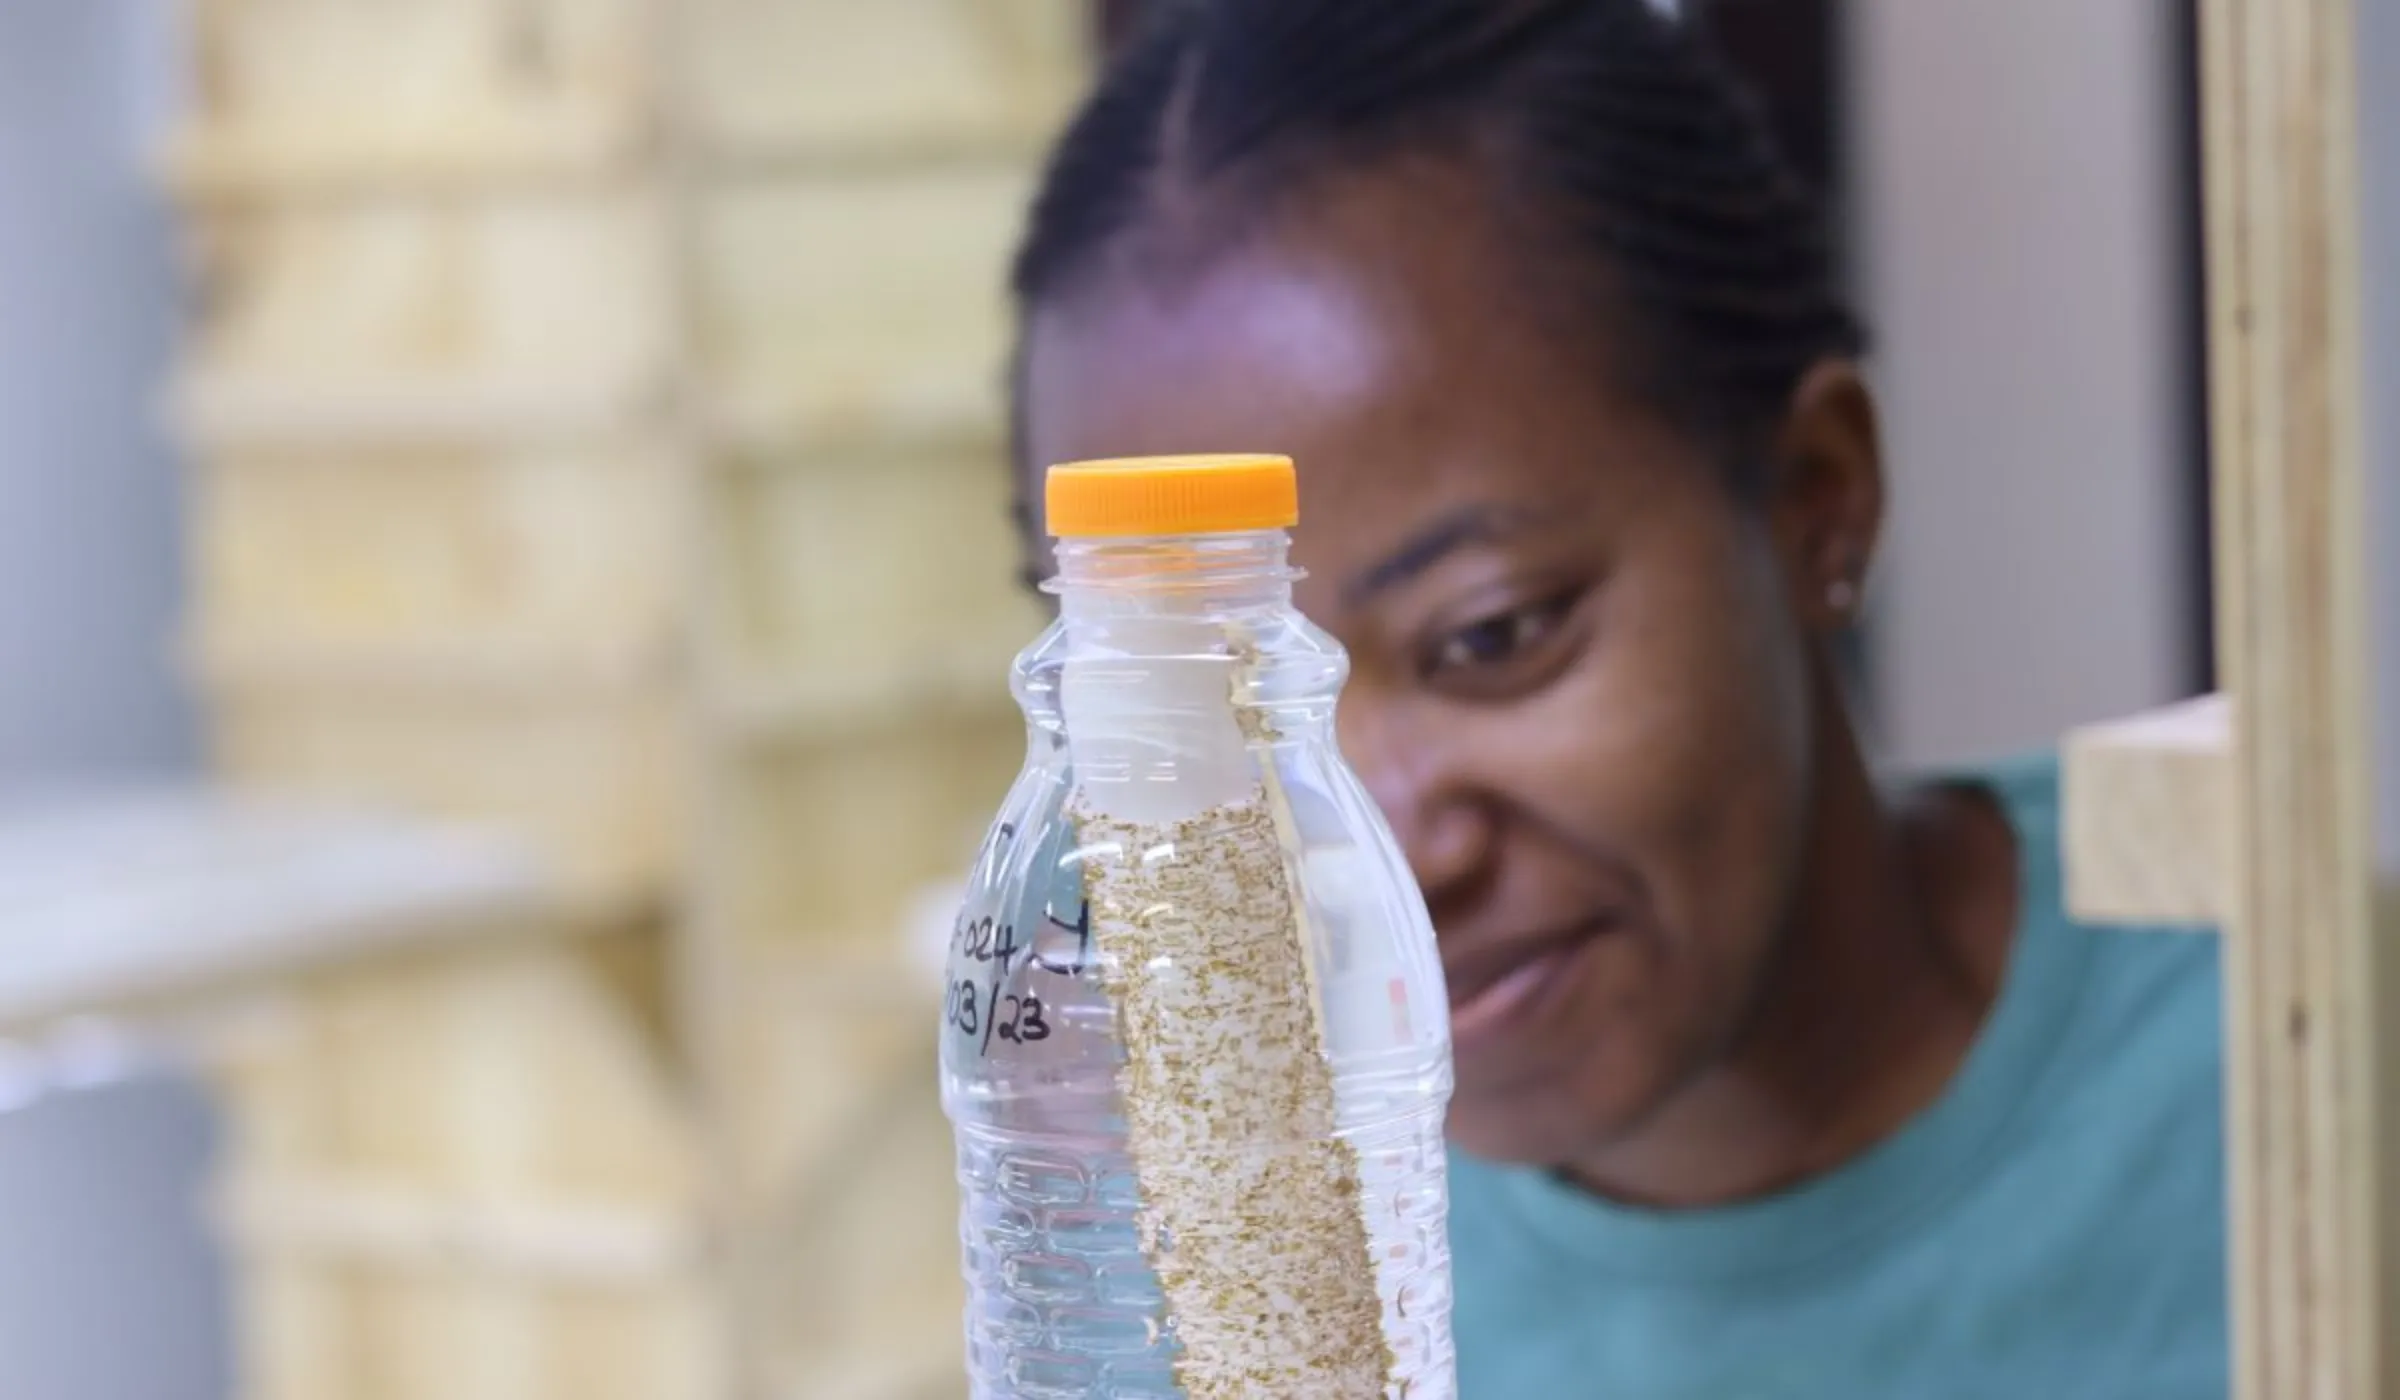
{"x": 1927, "y": 1162}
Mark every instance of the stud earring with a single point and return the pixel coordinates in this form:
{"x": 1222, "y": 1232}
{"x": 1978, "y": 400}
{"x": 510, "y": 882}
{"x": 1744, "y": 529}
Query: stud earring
{"x": 1841, "y": 595}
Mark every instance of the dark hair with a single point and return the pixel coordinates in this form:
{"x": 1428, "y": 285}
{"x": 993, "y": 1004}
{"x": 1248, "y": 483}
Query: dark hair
{"x": 1639, "y": 157}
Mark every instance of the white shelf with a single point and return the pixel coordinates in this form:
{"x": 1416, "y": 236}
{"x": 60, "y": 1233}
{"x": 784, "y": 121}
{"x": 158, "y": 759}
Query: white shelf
{"x": 113, "y": 900}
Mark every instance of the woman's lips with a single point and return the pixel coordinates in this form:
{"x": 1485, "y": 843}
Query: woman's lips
{"x": 1493, "y": 1005}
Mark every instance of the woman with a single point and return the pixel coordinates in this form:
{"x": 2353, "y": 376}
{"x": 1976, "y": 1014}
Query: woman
{"x": 1770, "y": 1083}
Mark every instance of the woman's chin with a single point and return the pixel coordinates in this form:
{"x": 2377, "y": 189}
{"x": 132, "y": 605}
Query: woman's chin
{"x": 1548, "y": 1126}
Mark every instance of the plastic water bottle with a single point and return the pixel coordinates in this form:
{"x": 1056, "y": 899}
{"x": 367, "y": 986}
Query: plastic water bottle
{"x": 1195, "y": 1042}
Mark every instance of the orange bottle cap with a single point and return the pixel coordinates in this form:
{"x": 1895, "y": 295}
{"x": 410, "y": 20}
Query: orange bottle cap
{"x": 1199, "y": 495}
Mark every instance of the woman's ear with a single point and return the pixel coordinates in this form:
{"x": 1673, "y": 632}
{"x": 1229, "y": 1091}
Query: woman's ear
{"x": 1825, "y": 500}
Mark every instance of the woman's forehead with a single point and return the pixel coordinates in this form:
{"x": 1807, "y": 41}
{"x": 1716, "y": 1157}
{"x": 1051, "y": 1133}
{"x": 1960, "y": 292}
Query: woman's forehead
{"x": 1338, "y": 299}
{"x": 1406, "y": 385}
{"x": 1257, "y": 339}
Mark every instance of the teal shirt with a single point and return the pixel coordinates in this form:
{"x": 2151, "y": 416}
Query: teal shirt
{"x": 2053, "y": 1226}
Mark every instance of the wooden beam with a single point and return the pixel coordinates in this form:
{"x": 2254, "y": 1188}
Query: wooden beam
{"x": 503, "y": 669}
{"x": 2313, "y": 1189}
{"x": 220, "y": 411}
{"x": 216, "y": 164}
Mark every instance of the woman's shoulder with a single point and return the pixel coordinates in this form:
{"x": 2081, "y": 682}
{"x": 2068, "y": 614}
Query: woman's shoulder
{"x": 2109, "y": 1034}
{"x": 2147, "y": 1000}
{"x": 2028, "y": 786}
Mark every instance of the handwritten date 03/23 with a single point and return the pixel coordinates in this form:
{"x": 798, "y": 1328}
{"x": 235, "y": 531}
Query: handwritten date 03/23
{"x": 982, "y": 1011}
{"x": 1014, "y": 1018}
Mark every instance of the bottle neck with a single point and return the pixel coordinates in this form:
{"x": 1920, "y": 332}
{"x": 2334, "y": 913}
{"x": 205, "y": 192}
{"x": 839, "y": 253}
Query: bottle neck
{"x": 1192, "y": 576}
{"x": 1161, "y": 658}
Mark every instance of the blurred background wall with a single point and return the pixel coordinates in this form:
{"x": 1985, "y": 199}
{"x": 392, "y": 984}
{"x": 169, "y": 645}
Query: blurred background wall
{"x": 2021, "y": 233}
{"x": 108, "y": 1290}
{"x": 90, "y": 541}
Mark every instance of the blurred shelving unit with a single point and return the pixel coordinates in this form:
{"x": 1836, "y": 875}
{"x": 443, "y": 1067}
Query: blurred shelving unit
{"x": 596, "y": 419}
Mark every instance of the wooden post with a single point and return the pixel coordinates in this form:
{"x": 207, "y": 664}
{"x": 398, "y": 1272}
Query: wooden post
{"x": 2312, "y": 1185}
{"x": 2263, "y": 812}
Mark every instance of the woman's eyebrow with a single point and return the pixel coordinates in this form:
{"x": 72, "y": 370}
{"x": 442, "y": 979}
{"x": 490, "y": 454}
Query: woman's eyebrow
{"x": 1447, "y": 534}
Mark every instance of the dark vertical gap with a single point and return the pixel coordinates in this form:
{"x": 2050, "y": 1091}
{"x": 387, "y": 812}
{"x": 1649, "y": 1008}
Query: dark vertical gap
{"x": 2191, "y": 336}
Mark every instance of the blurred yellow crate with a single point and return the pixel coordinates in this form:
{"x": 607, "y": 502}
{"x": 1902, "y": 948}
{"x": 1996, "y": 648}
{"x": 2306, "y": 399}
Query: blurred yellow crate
{"x": 873, "y": 565}
{"x": 826, "y": 842}
{"x": 590, "y": 779}
{"x": 599, "y": 414}
{"x": 312, "y": 1330}
{"x": 535, "y": 284}
{"x": 466, "y": 1171}
{"x": 865, "y": 306}
{"x": 344, "y": 77}
{"x": 851, "y": 1259}
{"x": 512, "y": 1071}
{"x": 537, "y": 550}
{"x": 897, "y": 75}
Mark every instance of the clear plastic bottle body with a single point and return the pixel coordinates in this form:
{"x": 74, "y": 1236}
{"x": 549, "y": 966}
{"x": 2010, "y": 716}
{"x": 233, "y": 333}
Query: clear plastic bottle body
{"x": 1181, "y": 688}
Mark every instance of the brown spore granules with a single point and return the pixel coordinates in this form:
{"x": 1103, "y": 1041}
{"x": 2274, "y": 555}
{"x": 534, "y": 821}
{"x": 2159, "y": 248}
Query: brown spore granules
{"x": 1251, "y": 1212}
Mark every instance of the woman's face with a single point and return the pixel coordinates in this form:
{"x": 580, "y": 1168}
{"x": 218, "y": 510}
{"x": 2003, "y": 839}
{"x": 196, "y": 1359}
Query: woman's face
{"x": 1580, "y": 688}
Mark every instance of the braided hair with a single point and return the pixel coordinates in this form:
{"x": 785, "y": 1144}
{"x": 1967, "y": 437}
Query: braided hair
{"x": 1641, "y": 165}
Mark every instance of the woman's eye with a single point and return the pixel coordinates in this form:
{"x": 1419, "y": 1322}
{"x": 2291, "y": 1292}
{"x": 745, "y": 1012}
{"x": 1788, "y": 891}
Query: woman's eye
{"x": 1499, "y": 639}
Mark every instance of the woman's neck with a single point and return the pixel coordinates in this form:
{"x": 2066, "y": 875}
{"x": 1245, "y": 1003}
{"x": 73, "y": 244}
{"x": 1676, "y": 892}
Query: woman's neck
{"x": 1893, "y": 956}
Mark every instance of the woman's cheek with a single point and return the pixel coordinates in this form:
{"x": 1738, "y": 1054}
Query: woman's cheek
{"x": 1615, "y": 735}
